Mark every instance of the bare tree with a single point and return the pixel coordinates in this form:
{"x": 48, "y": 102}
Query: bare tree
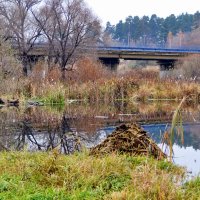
{"x": 68, "y": 26}
{"x": 20, "y": 25}
{"x": 10, "y": 68}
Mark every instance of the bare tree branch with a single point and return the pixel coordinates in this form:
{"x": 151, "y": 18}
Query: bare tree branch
{"x": 67, "y": 25}
{"x": 20, "y": 25}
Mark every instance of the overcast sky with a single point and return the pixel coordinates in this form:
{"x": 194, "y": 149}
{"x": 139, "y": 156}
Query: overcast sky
{"x": 115, "y": 10}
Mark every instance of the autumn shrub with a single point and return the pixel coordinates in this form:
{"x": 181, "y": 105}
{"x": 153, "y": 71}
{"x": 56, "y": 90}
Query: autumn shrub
{"x": 54, "y": 75}
{"x": 88, "y": 69}
{"x": 141, "y": 75}
{"x": 189, "y": 67}
{"x": 39, "y": 71}
{"x": 44, "y": 83}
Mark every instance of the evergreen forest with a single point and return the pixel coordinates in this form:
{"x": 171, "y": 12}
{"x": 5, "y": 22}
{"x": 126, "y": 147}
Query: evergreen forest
{"x": 153, "y": 31}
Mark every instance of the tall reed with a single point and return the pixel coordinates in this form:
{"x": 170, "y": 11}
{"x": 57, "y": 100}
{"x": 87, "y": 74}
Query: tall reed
{"x": 176, "y": 127}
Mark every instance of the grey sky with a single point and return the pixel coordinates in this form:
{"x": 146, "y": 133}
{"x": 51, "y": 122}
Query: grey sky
{"x": 115, "y": 10}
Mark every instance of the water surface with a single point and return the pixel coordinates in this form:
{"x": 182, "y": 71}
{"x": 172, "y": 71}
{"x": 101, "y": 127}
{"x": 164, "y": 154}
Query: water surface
{"x": 66, "y": 128}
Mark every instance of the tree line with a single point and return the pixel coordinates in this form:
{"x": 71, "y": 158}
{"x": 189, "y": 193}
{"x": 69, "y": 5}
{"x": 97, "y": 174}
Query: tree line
{"x": 63, "y": 25}
{"x": 151, "y": 31}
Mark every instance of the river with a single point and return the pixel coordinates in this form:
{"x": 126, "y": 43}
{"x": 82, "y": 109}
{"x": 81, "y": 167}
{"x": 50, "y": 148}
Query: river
{"x": 69, "y": 128}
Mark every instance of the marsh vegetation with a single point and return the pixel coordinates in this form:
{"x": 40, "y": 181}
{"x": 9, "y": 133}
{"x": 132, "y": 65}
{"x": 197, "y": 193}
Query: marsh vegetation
{"x": 52, "y": 111}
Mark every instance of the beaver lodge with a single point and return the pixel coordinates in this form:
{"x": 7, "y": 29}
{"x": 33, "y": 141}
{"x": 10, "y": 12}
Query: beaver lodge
{"x": 130, "y": 139}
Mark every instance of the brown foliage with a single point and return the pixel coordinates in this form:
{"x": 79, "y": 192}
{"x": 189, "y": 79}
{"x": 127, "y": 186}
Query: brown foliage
{"x": 54, "y": 75}
{"x": 88, "y": 69}
{"x": 39, "y": 72}
{"x": 190, "y": 67}
{"x": 142, "y": 74}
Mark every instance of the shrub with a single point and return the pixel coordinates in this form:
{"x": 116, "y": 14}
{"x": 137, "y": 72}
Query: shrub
{"x": 88, "y": 69}
{"x": 189, "y": 67}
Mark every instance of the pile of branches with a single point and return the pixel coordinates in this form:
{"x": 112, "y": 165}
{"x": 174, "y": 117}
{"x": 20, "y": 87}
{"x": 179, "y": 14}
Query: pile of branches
{"x": 129, "y": 139}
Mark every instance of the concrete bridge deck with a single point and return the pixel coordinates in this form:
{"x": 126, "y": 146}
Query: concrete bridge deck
{"x": 165, "y": 57}
{"x": 110, "y": 56}
{"x": 128, "y": 52}
{"x": 144, "y": 53}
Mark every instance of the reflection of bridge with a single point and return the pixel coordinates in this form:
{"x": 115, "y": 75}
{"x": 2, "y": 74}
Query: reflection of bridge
{"x": 111, "y": 55}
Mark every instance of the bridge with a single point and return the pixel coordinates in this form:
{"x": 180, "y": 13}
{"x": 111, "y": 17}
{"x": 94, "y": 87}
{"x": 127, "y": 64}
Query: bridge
{"x": 165, "y": 57}
{"x": 111, "y": 56}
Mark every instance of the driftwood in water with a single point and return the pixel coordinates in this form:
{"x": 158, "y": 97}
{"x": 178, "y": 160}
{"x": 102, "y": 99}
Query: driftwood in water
{"x": 13, "y": 102}
{"x": 1, "y": 101}
{"x": 35, "y": 103}
{"x": 130, "y": 139}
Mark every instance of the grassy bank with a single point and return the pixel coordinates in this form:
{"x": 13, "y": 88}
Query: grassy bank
{"x": 51, "y": 176}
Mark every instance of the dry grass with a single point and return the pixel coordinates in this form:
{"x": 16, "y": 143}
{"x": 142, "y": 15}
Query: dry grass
{"x": 189, "y": 67}
{"x": 52, "y": 176}
{"x": 90, "y": 81}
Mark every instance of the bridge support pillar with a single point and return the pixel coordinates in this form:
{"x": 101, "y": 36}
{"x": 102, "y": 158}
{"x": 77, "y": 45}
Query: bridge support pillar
{"x": 111, "y": 63}
{"x": 166, "y": 65}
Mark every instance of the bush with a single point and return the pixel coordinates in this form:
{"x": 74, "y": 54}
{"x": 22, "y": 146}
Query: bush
{"x": 88, "y": 69}
{"x": 189, "y": 67}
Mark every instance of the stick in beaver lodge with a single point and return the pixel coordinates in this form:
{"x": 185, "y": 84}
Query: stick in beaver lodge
{"x": 129, "y": 139}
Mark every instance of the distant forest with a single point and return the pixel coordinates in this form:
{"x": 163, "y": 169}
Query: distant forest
{"x": 172, "y": 31}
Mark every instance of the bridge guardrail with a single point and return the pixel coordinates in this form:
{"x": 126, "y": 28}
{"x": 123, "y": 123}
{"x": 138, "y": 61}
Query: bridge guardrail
{"x": 148, "y": 49}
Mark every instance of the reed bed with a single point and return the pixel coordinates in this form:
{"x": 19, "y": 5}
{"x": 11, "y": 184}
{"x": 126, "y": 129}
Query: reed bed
{"x": 91, "y": 82}
{"x": 118, "y": 88}
{"x": 128, "y": 88}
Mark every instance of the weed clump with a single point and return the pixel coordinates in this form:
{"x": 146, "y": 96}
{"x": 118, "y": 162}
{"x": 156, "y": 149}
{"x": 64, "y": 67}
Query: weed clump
{"x": 129, "y": 139}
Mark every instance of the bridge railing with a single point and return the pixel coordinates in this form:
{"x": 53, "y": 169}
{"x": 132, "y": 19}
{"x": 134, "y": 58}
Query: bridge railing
{"x": 148, "y": 49}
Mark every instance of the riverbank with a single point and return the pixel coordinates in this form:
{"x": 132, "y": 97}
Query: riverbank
{"x": 91, "y": 82}
{"x": 50, "y": 175}
{"x": 136, "y": 86}
{"x": 108, "y": 91}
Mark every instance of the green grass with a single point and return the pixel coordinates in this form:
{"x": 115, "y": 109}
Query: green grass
{"x": 53, "y": 99}
{"x": 46, "y": 176}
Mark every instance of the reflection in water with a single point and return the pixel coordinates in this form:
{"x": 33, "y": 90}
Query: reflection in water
{"x": 46, "y": 128}
{"x": 45, "y": 132}
{"x": 191, "y": 134}
{"x": 188, "y": 157}
{"x": 186, "y": 154}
